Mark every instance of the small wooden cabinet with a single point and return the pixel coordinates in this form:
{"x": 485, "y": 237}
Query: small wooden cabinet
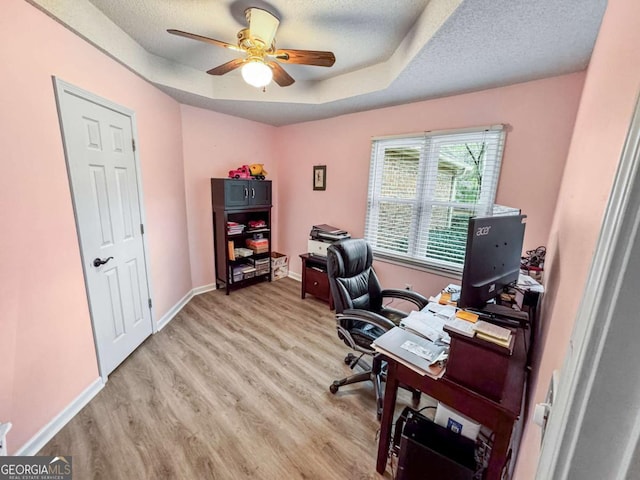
{"x": 242, "y": 193}
{"x": 314, "y": 278}
{"x": 242, "y": 202}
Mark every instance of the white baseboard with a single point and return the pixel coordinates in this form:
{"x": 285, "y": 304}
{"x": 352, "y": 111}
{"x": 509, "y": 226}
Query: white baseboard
{"x": 39, "y": 440}
{"x": 203, "y": 289}
{"x": 173, "y": 311}
{"x": 295, "y": 276}
{"x": 46, "y": 433}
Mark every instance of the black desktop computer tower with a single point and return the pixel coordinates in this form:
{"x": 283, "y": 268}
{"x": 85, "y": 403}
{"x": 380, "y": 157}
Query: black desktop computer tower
{"x": 431, "y": 452}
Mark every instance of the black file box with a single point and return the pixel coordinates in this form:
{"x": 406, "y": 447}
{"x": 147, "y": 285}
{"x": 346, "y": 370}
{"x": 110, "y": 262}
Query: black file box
{"x": 431, "y": 452}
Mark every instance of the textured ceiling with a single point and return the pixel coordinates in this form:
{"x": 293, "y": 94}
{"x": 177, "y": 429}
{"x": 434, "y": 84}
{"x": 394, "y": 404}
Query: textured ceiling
{"x": 387, "y": 52}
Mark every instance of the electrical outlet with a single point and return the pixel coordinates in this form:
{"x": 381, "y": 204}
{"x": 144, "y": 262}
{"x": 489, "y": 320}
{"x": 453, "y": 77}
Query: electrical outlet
{"x": 408, "y": 286}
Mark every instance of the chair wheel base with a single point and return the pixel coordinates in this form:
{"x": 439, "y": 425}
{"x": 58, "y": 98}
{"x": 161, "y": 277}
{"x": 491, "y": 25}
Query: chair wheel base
{"x": 349, "y": 358}
{"x": 333, "y": 388}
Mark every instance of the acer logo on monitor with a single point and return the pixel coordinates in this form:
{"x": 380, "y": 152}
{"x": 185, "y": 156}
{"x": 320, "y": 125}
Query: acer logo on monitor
{"x": 483, "y": 231}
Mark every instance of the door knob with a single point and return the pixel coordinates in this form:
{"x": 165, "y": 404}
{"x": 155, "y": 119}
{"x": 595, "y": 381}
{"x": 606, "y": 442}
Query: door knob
{"x": 97, "y": 262}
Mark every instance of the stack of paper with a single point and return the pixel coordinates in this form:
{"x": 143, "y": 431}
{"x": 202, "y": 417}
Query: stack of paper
{"x": 445, "y": 312}
{"x": 409, "y": 349}
{"x": 430, "y": 352}
{"x": 425, "y": 324}
{"x": 463, "y": 327}
{"x": 235, "y": 228}
{"x": 493, "y": 333}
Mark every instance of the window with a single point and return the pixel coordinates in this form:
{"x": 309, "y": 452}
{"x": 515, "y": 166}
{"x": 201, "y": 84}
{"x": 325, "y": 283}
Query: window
{"x": 423, "y": 189}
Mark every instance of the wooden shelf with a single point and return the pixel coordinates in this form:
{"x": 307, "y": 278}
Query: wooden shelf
{"x": 239, "y": 201}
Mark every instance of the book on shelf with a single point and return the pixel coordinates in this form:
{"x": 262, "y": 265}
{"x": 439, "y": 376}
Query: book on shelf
{"x": 232, "y": 252}
{"x": 234, "y": 228}
{"x": 240, "y": 252}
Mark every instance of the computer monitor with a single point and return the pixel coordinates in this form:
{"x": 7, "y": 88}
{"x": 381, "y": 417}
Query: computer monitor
{"x": 492, "y": 258}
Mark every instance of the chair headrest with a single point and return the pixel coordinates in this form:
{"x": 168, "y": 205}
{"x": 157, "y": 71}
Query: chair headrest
{"x": 347, "y": 258}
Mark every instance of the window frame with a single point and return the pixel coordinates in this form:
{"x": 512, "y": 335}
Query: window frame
{"x": 429, "y": 145}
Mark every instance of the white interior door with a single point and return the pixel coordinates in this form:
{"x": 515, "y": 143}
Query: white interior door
{"x": 98, "y": 139}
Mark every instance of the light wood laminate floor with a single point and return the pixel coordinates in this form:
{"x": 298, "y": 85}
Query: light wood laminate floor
{"x": 235, "y": 387}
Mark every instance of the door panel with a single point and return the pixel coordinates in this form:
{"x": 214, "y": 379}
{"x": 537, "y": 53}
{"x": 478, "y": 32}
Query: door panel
{"x": 236, "y": 193}
{"x": 261, "y": 192}
{"x": 125, "y": 206}
{"x": 104, "y": 182}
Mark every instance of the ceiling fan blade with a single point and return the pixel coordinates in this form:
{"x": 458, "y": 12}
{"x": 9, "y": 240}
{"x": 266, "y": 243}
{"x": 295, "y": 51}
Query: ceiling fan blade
{"x": 262, "y": 25}
{"x": 213, "y": 41}
{"x": 226, "y": 67}
{"x": 281, "y": 77}
{"x": 306, "y": 57}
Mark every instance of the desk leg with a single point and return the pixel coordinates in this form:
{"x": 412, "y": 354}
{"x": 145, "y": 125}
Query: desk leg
{"x": 303, "y": 285}
{"x": 390, "y": 393}
{"x": 499, "y": 451}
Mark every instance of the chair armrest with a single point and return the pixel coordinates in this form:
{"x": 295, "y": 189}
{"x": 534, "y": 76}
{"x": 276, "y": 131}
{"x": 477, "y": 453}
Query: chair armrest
{"x": 368, "y": 317}
{"x": 409, "y": 295}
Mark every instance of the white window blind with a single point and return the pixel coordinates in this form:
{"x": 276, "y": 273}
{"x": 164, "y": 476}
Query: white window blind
{"x": 423, "y": 190}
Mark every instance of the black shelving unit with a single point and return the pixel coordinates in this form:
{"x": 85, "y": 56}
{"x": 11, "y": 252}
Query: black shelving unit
{"x": 240, "y": 201}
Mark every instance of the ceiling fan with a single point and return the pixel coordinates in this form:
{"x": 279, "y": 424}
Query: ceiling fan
{"x": 257, "y": 42}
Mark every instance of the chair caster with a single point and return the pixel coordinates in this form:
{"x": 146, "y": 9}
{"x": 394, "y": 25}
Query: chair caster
{"x": 333, "y": 388}
{"x": 349, "y": 358}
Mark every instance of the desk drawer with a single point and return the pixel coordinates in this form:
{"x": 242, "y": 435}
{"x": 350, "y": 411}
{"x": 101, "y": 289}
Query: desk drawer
{"x": 317, "y": 283}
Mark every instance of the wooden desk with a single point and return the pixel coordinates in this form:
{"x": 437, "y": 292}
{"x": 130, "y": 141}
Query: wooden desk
{"x": 499, "y": 417}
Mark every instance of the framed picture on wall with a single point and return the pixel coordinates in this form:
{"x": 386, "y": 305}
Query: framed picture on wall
{"x": 319, "y": 177}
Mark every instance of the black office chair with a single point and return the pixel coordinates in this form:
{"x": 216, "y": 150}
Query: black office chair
{"x": 361, "y": 316}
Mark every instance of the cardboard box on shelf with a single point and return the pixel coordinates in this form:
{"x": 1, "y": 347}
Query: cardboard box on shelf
{"x": 278, "y": 259}
{"x": 280, "y": 272}
{"x": 279, "y": 266}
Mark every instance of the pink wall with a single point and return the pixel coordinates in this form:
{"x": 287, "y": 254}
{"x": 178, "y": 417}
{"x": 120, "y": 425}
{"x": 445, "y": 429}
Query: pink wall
{"x": 610, "y": 92}
{"x": 540, "y": 116}
{"x": 46, "y": 340}
{"x": 45, "y": 329}
{"x": 213, "y": 144}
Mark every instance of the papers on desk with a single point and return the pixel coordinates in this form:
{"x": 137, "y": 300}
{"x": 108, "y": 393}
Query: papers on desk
{"x": 426, "y": 324}
{"x": 431, "y": 321}
{"x": 445, "y": 312}
{"x": 463, "y": 327}
{"x": 391, "y": 344}
{"x": 432, "y": 353}
{"x": 528, "y": 283}
{"x": 448, "y": 296}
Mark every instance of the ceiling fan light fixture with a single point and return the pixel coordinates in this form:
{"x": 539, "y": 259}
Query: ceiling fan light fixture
{"x": 256, "y": 73}
{"x": 261, "y": 65}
